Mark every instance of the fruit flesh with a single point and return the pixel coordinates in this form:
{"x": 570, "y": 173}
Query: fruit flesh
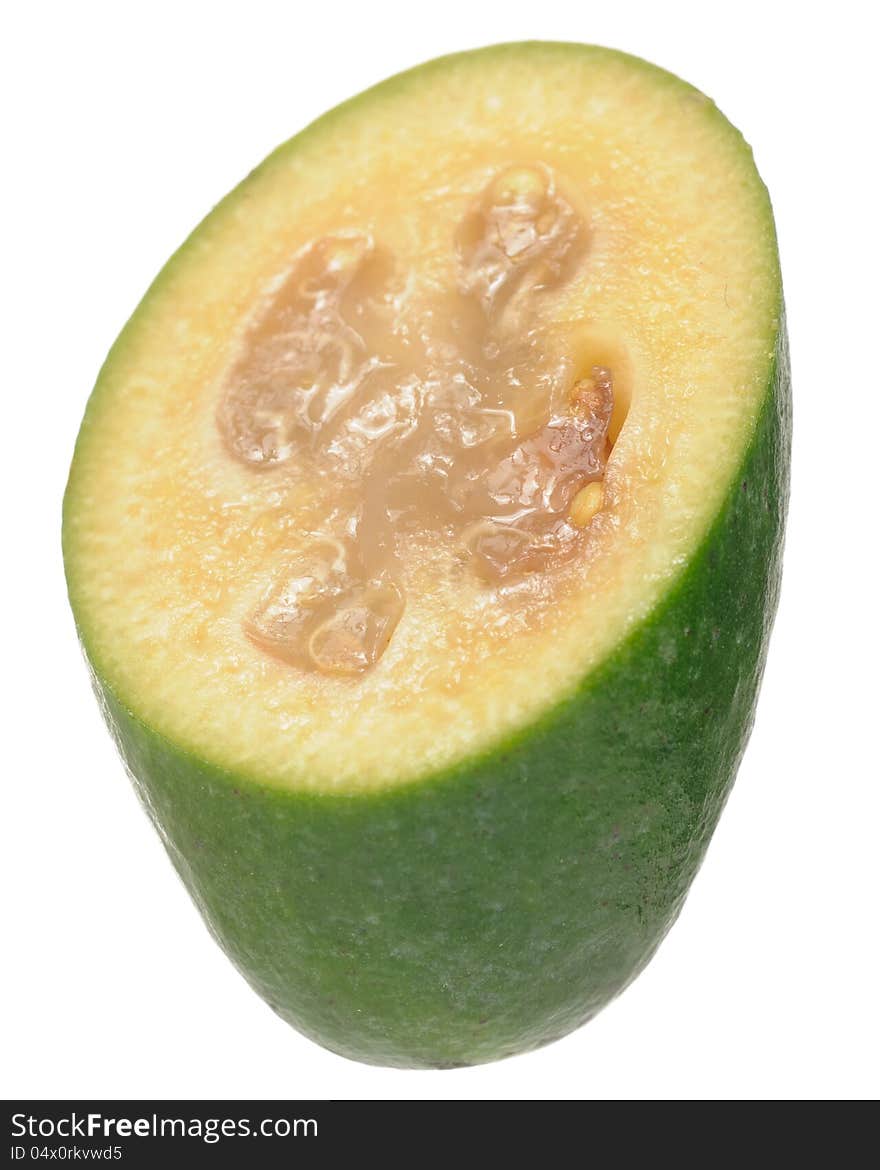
{"x": 677, "y": 296}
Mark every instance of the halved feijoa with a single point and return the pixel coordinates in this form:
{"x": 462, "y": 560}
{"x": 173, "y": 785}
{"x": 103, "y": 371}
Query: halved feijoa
{"x": 423, "y": 537}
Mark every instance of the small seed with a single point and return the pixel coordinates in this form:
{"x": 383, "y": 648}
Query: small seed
{"x": 586, "y": 504}
{"x": 519, "y": 184}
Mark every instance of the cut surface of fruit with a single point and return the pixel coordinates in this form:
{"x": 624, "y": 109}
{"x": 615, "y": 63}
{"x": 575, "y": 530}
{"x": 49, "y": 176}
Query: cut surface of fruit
{"x": 419, "y": 426}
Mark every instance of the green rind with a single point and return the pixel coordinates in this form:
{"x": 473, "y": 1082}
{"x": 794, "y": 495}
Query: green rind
{"x": 496, "y": 907}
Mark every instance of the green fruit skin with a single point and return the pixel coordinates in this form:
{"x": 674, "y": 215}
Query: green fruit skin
{"x": 497, "y": 906}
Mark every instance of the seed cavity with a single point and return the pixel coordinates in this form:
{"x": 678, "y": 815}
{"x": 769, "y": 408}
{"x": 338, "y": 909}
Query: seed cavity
{"x": 520, "y": 238}
{"x": 322, "y": 615}
{"x": 439, "y": 415}
{"x": 326, "y": 333}
{"x": 358, "y": 630}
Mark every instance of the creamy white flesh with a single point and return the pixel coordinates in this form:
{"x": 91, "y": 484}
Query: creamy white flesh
{"x": 203, "y": 511}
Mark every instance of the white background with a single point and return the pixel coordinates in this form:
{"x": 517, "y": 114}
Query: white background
{"x": 124, "y": 124}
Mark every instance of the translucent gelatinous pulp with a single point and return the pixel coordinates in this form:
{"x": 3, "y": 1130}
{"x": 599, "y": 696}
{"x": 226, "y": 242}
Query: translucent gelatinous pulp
{"x": 425, "y": 412}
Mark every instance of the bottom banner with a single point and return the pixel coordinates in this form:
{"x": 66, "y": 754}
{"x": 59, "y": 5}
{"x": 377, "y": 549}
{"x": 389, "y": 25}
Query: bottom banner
{"x": 268, "y": 1133}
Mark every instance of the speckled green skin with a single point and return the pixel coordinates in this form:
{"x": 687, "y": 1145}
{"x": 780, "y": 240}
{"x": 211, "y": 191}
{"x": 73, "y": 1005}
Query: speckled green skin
{"x": 498, "y": 906}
